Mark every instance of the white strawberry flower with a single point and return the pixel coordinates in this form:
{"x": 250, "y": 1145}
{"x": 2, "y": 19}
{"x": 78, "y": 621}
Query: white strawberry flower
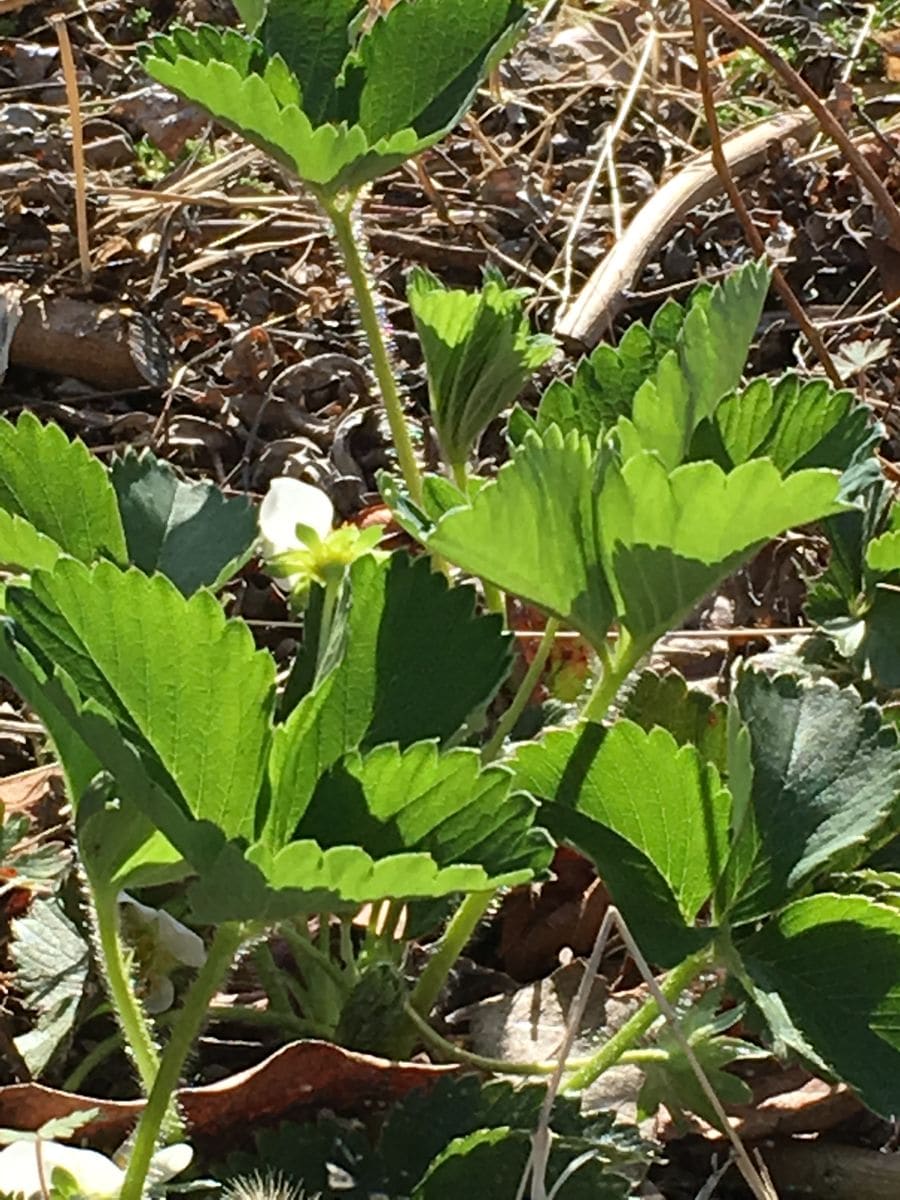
{"x": 298, "y": 540}
{"x": 27, "y": 1169}
{"x": 161, "y": 944}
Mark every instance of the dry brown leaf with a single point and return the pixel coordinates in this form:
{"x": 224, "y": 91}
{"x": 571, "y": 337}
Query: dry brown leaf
{"x": 302, "y": 1075}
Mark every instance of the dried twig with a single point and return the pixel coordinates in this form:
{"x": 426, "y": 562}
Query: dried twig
{"x": 754, "y": 237}
{"x": 864, "y": 170}
{"x": 606, "y": 292}
{"x": 68, "y": 67}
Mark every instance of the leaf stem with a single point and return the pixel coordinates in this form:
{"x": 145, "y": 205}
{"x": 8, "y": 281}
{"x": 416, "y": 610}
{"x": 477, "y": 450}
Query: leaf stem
{"x": 501, "y": 1066}
{"x": 187, "y": 1025}
{"x": 129, "y": 1012}
{"x": 529, "y": 681}
{"x": 342, "y": 223}
{"x": 616, "y": 668}
{"x": 428, "y": 986}
{"x": 639, "y": 1023}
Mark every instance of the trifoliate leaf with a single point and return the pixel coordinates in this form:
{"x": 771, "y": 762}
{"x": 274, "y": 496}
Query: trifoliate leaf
{"x": 479, "y": 352}
{"x": 826, "y": 975}
{"x": 652, "y": 816}
{"x": 188, "y": 531}
{"x": 633, "y": 542}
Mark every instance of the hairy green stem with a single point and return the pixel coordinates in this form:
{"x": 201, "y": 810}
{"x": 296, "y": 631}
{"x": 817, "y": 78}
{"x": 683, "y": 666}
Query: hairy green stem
{"x": 129, "y": 1012}
{"x": 342, "y": 223}
{"x": 272, "y": 979}
{"x": 303, "y": 948}
{"x": 449, "y": 948}
{"x": 617, "y": 666}
{"x": 636, "y": 1026}
{"x": 187, "y": 1025}
{"x": 529, "y": 681}
{"x": 501, "y": 1066}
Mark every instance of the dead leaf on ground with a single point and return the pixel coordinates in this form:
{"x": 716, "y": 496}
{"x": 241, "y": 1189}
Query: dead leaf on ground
{"x": 538, "y": 923}
{"x": 30, "y": 791}
{"x": 303, "y": 1075}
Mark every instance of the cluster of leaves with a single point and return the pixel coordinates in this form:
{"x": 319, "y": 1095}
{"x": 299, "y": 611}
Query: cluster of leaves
{"x": 340, "y": 797}
{"x": 658, "y": 484}
{"x": 437, "y": 1144}
{"x": 335, "y": 96}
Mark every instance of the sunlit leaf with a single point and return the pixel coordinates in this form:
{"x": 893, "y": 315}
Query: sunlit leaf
{"x": 652, "y": 816}
{"x": 61, "y": 490}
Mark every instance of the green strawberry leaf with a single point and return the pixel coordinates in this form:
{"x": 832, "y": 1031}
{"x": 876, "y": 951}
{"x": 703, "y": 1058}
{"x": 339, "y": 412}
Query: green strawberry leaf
{"x": 705, "y": 365}
{"x": 188, "y": 531}
{"x": 61, "y": 490}
{"x": 672, "y": 1082}
{"x": 823, "y": 791}
{"x": 479, "y": 352}
{"x": 536, "y": 532}
{"x": 826, "y": 975}
{"x": 590, "y": 544}
{"x": 414, "y": 661}
{"x": 794, "y": 423}
{"x": 443, "y": 804}
{"x": 51, "y": 961}
{"x": 185, "y": 681}
{"x": 22, "y": 547}
{"x": 604, "y": 385}
{"x": 260, "y": 99}
{"x": 692, "y": 716}
{"x": 653, "y": 817}
{"x": 670, "y": 538}
{"x": 407, "y": 85}
{"x": 314, "y": 38}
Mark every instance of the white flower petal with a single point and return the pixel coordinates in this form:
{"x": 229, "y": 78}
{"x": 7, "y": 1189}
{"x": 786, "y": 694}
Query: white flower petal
{"x": 169, "y": 1162}
{"x": 96, "y": 1176}
{"x": 160, "y": 996}
{"x": 182, "y": 943}
{"x": 287, "y": 504}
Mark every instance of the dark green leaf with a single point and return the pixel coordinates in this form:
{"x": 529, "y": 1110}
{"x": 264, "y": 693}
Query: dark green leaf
{"x": 826, "y": 975}
{"x": 51, "y": 962}
{"x": 313, "y": 38}
{"x": 408, "y": 85}
{"x": 444, "y": 804}
{"x": 188, "y": 531}
{"x": 825, "y": 773}
{"x": 692, "y": 716}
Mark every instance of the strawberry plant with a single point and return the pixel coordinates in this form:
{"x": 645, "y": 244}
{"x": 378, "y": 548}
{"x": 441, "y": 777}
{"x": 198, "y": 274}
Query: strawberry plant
{"x": 376, "y": 774}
